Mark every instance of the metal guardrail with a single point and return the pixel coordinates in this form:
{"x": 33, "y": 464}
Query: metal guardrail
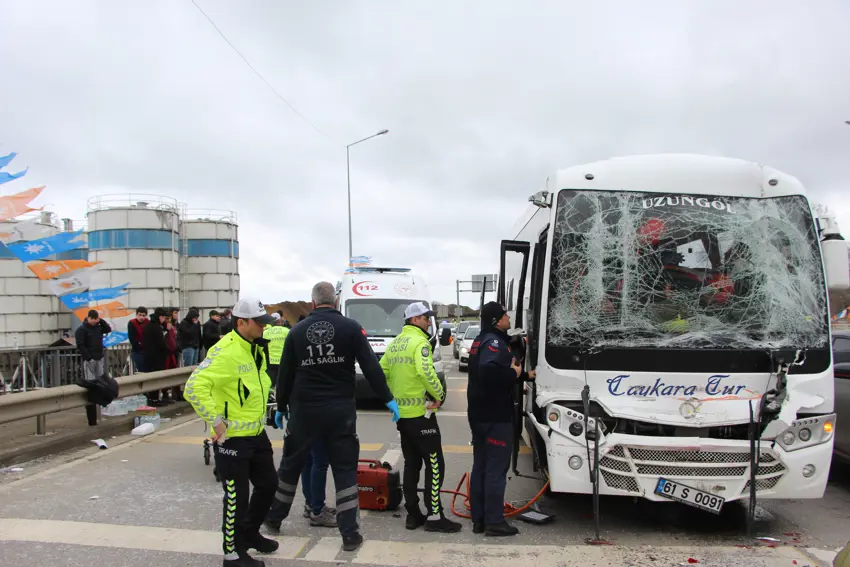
{"x": 30, "y": 368}
{"x": 38, "y": 403}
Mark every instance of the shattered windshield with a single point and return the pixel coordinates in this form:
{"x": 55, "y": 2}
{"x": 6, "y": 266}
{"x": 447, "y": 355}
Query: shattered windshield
{"x": 639, "y": 270}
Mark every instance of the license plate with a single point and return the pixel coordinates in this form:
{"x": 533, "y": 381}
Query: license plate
{"x": 688, "y": 495}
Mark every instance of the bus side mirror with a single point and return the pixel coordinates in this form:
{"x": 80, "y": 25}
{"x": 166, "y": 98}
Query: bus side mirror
{"x": 835, "y": 263}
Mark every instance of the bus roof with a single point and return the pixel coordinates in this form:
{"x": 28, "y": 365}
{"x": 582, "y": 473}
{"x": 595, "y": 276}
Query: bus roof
{"x": 679, "y": 173}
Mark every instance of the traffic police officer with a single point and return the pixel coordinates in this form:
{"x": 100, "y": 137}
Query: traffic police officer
{"x": 275, "y": 334}
{"x": 316, "y": 385}
{"x": 493, "y": 375}
{"x": 229, "y": 390}
{"x": 409, "y": 367}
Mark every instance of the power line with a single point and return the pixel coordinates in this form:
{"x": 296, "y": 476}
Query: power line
{"x": 248, "y": 63}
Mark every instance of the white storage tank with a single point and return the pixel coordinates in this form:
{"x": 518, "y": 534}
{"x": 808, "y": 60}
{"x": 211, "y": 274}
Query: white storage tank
{"x": 136, "y": 237}
{"x": 212, "y": 259}
{"x": 28, "y": 308}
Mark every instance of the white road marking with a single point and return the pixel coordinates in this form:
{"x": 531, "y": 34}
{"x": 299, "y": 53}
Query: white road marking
{"x": 824, "y": 555}
{"x": 391, "y": 553}
{"x": 326, "y": 550}
{"x": 482, "y": 555}
{"x": 130, "y": 537}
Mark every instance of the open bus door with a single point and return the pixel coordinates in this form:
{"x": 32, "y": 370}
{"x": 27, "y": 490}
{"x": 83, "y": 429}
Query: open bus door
{"x": 518, "y": 338}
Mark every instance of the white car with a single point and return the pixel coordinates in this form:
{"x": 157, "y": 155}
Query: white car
{"x": 465, "y": 344}
{"x": 458, "y": 336}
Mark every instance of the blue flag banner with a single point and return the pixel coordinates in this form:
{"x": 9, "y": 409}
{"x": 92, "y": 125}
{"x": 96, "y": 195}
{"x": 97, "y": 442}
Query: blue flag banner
{"x": 44, "y": 247}
{"x": 77, "y": 300}
{"x": 6, "y": 177}
{"x": 4, "y": 160}
{"x": 114, "y": 338}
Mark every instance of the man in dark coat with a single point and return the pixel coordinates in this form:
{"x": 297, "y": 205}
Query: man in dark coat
{"x": 211, "y": 332}
{"x": 493, "y": 376}
{"x": 189, "y": 338}
{"x": 156, "y": 351}
{"x": 89, "y": 339}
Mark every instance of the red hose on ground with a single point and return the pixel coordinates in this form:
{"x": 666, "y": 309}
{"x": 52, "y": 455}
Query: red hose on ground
{"x": 510, "y": 509}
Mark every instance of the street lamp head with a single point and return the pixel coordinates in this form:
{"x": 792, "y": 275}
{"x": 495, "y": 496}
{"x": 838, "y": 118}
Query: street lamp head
{"x": 382, "y": 132}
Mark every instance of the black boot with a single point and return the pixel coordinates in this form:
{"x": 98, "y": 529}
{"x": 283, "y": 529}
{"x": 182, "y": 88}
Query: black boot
{"x": 478, "y": 527}
{"x": 244, "y": 560}
{"x": 272, "y": 527}
{"x": 261, "y": 543}
{"x": 501, "y": 530}
{"x": 350, "y": 543}
{"x": 414, "y": 520}
{"x": 443, "y": 525}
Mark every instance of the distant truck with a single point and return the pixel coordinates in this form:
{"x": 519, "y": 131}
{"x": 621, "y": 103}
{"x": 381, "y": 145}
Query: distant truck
{"x": 376, "y": 298}
{"x": 676, "y": 315}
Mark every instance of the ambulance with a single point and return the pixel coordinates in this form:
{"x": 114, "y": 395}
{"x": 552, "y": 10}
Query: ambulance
{"x": 376, "y": 298}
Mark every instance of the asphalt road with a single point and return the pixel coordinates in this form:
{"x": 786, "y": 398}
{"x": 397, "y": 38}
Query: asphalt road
{"x": 152, "y": 501}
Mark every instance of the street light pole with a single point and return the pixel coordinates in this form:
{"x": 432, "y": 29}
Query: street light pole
{"x": 348, "y": 176}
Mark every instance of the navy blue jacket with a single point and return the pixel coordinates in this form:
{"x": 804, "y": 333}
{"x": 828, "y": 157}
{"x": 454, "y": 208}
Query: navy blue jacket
{"x": 490, "y": 392}
{"x": 317, "y": 366}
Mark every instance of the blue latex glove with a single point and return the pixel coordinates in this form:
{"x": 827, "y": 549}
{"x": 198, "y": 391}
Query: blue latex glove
{"x": 278, "y": 418}
{"x": 393, "y": 407}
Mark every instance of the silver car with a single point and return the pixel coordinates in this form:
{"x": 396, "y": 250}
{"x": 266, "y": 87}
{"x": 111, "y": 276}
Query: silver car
{"x": 458, "y": 334}
{"x": 466, "y": 344}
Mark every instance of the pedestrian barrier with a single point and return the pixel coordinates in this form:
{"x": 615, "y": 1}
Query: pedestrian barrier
{"x": 30, "y": 368}
{"x": 40, "y": 403}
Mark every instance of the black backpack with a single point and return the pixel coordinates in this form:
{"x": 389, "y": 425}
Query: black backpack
{"x": 102, "y": 390}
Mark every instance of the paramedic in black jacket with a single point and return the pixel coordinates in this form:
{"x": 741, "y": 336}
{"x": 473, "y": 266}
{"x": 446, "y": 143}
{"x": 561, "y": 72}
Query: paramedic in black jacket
{"x": 316, "y": 384}
{"x": 493, "y": 375}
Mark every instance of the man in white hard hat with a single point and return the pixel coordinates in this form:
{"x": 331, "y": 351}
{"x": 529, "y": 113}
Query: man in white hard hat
{"x": 229, "y": 391}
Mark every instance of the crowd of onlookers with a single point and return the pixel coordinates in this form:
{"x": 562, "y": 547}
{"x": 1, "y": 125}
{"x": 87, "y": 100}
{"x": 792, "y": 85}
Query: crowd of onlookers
{"x": 163, "y": 341}
{"x": 159, "y": 342}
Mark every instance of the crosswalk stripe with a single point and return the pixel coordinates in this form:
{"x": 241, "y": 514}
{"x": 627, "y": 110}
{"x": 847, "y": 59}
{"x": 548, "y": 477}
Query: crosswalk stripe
{"x": 130, "y": 537}
{"x": 326, "y": 550}
{"x": 397, "y": 553}
{"x": 391, "y": 553}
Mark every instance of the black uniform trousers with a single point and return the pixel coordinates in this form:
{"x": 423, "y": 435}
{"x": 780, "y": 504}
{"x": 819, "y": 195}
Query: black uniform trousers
{"x": 335, "y": 425}
{"x": 491, "y": 458}
{"x": 421, "y": 443}
{"x": 240, "y": 461}
{"x": 272, "y": 371}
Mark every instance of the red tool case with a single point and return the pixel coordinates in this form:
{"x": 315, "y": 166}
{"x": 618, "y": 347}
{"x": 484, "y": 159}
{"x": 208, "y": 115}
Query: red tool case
{"x": 378, "y": 485}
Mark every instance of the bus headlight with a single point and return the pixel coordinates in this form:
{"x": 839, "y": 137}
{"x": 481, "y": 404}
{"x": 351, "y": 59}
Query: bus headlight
{"x": 808, "y": 432}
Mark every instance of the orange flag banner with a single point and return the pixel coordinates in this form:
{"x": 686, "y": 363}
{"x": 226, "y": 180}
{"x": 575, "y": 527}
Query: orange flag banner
{"x": 113, "y": 310}
{"x": 15, "y": 205}
{"x": 55, "y": 268}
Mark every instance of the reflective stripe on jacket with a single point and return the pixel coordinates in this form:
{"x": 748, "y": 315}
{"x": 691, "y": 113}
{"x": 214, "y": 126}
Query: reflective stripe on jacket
{"x": 409, "y": 367}
{"x": 232, "y": 383}
{"x": 276, "y": 335}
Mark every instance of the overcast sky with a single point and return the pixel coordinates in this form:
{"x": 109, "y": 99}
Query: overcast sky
{"x": 483, "y": 101}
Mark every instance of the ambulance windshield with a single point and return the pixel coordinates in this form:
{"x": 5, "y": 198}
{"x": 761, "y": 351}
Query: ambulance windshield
{"x": 379, "y": 317}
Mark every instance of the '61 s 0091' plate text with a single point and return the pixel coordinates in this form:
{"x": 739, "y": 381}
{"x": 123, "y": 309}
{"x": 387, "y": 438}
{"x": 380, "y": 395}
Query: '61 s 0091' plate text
{"x": 688, "y": 495}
